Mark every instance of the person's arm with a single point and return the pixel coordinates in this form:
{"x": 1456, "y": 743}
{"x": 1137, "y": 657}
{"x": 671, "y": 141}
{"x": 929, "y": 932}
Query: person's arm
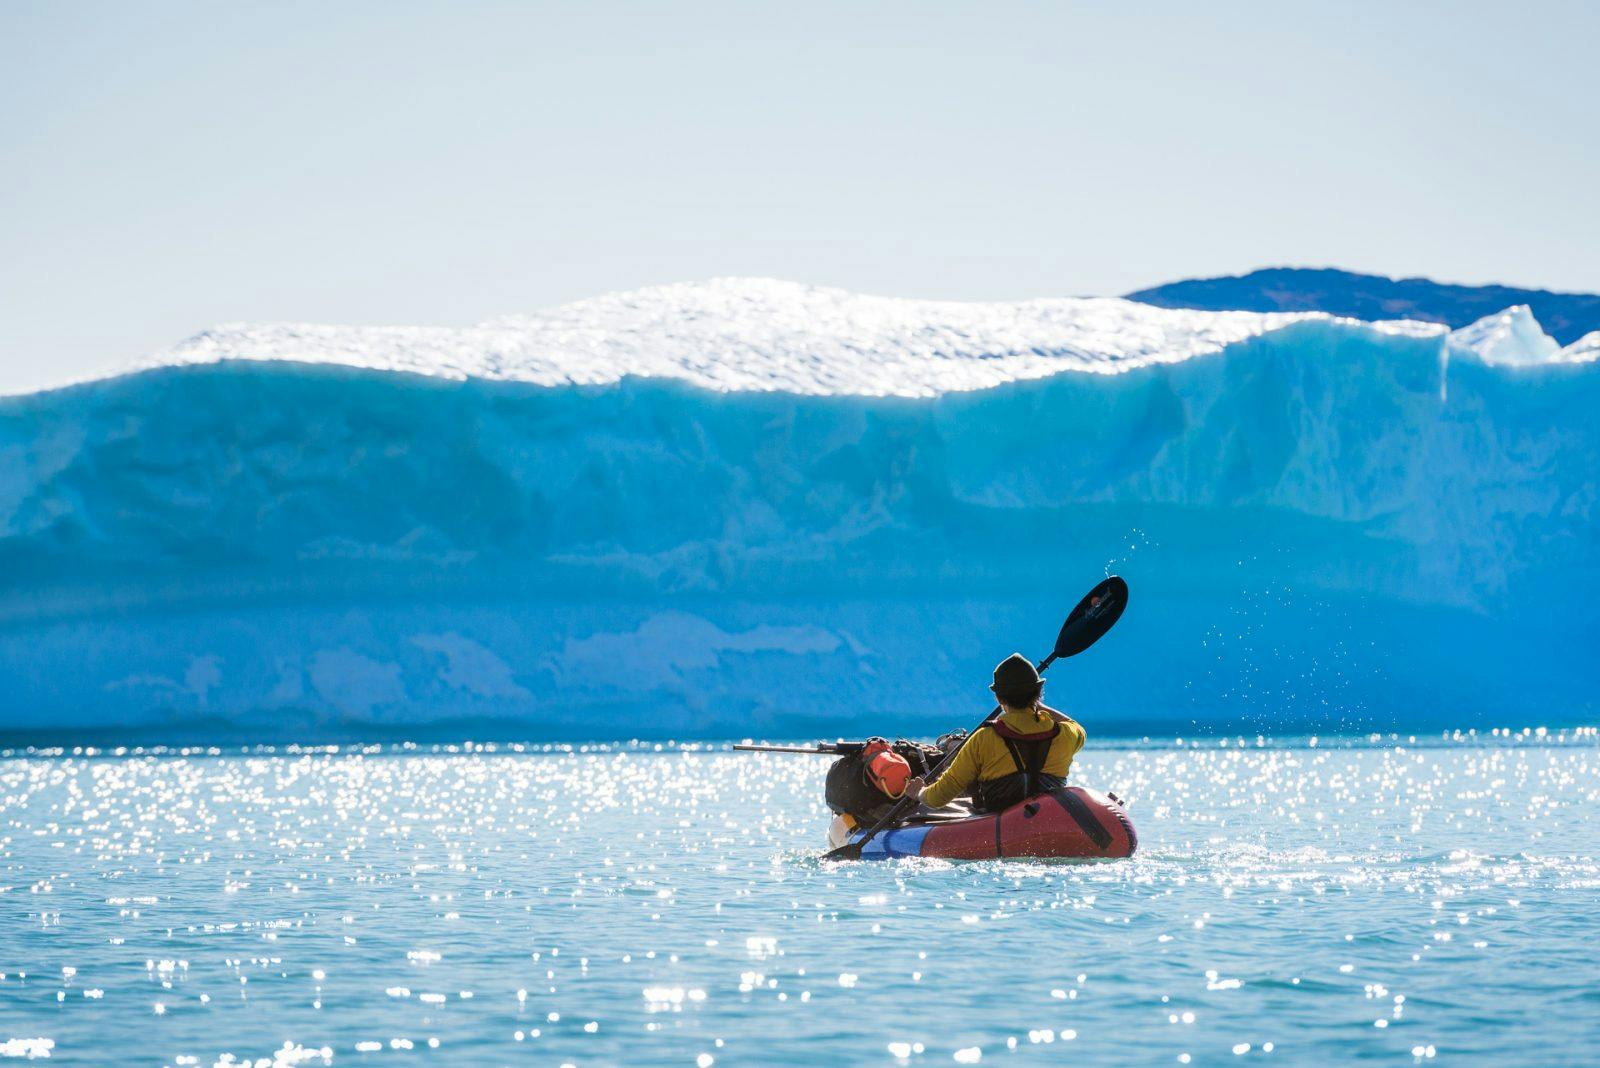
{"x": 1069, "y": 724}
{"x": 955, "y": 780}
{"x": 1081, "y": 735}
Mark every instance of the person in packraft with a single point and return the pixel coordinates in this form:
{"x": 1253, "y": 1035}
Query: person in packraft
{"x": 1025, "y": 751}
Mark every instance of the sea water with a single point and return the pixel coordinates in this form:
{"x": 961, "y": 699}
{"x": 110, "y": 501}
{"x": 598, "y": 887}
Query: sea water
{"x": 1396, "y": 900}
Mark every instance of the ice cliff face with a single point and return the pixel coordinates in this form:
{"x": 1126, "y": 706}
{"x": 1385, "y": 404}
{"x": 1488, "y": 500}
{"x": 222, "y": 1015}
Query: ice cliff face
{"x": 750, "y": 507}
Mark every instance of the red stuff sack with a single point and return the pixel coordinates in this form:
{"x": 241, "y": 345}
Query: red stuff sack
{"x": 885, "y": 769}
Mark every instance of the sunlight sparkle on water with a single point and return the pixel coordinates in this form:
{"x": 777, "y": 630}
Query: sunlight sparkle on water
{"x": 604, "y": 903}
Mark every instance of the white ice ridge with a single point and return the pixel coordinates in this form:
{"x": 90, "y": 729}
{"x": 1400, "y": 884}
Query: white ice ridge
{"x": 1584, "y": 350}
{"x": 1512, "y": 337}
{"x": 740, "y": 334}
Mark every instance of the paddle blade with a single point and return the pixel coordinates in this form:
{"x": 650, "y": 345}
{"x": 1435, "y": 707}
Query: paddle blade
{"x": 848, "y": 851}
{"x": 1095, "y": 614}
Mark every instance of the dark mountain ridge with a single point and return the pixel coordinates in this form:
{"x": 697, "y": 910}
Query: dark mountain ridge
{"x": 1564, "y": 316}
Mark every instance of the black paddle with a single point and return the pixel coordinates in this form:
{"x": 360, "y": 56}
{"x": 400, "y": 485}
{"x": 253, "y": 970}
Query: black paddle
{"x": 1085, "y": 625}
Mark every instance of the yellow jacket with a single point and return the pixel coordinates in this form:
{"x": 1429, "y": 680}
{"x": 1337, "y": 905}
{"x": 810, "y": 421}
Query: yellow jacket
{"x": 984, "y": 755}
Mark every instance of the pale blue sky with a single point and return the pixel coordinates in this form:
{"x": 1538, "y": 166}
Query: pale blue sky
{"x": 166, "y": 166}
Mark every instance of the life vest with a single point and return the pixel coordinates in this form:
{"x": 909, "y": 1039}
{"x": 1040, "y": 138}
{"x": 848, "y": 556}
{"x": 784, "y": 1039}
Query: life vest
{"x": 1029, "y": 751}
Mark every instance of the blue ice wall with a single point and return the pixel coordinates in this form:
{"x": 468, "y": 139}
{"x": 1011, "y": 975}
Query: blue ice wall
{"x": 1325, "y": 528}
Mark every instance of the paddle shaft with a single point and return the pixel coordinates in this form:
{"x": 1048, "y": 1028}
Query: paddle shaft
{"x": 835, "y": 749}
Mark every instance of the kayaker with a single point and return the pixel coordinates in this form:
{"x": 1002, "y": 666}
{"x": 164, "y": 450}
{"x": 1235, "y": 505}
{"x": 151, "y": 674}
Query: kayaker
{"x": 1026, "y": 751}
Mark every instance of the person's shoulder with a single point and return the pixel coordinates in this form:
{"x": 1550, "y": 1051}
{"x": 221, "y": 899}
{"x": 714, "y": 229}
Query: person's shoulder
{"x": 1067, "y": 722}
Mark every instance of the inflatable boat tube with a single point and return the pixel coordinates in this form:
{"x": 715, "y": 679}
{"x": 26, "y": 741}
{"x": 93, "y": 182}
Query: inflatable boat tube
{"x": 1073, "y": 822}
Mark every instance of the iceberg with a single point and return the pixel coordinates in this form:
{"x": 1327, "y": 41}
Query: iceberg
{"x": 754, "y": 508}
